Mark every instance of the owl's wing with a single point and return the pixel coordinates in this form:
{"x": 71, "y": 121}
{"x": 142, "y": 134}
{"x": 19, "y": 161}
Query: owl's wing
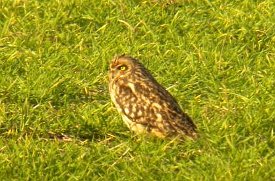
{"x": 155, "y": 108}
{"x": 174, "y": 120}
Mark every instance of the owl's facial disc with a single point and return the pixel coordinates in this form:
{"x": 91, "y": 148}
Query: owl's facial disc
{"x": 121, "y": 67}
{"x": 119, "y": 70}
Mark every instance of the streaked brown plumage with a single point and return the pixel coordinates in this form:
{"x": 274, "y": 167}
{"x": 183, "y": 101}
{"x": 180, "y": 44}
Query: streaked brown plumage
{"x": 144, "y": 104}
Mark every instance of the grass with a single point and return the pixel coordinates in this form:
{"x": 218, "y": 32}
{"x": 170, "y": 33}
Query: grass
{"x": 56, "y": 118}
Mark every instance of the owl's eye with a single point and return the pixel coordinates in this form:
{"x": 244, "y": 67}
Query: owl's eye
{"x": 122, "y": 67}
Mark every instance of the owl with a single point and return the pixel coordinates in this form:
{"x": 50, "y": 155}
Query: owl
{"x": 145, "y": 105}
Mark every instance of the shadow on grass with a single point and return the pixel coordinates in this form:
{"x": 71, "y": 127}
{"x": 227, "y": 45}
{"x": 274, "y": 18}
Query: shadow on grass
{"x": 89, "y": 133}
{"x": 85, "y": 133}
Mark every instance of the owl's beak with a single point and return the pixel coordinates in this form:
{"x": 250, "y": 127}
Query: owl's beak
{"x": 113, "y": 74}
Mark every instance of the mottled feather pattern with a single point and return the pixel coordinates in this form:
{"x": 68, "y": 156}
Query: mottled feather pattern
{"x": 145, "y": 105}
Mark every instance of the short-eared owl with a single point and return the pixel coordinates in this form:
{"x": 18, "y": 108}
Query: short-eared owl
{"x": 144, "y": 104}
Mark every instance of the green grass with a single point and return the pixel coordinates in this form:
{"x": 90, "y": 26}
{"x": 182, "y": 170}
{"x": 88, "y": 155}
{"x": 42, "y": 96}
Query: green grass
{"x": 56, "y": 118}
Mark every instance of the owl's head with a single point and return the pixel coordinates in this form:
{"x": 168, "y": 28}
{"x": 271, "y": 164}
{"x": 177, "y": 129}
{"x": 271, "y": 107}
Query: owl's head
{"x": 122, "y": 66}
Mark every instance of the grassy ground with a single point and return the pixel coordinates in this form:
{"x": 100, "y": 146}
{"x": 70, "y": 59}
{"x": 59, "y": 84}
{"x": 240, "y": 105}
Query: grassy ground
{"x": 56, "y": 118}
